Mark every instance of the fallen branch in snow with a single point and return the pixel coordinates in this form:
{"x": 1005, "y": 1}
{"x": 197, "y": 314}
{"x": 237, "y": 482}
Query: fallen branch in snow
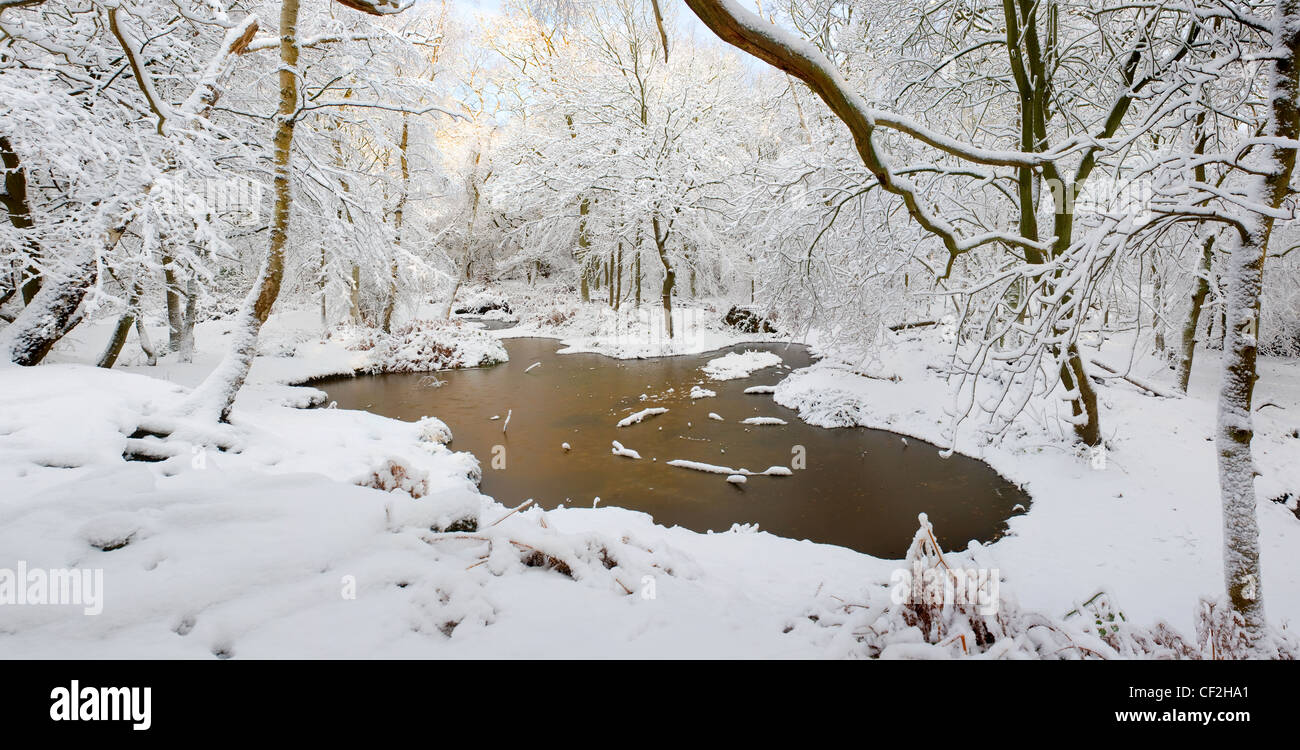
{"x": 632, "y": 419}
{"x": 1139, "y": 382}
{"x": 919, "y": 324}
{"x": 771, "y": 471}
{"x": 512, "y": 511}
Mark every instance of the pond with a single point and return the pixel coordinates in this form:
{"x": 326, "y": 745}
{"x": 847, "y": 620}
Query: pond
{"x": 860, "y": 489}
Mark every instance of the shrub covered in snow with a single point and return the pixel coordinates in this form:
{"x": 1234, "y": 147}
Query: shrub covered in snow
{"x": 422, "y": 346}
{"x": 943, "y": 606}
{"x": 748, "y": 320}
{"x": 482, "y": 301}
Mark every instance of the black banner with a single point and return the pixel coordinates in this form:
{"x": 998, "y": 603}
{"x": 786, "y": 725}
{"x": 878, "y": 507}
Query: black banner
{"x": 206, "y": 700}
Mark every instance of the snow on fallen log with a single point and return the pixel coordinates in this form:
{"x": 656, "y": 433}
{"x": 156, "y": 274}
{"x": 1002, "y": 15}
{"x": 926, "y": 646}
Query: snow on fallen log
{"x": 632, "y": 419}
{"x": 1146, "y": 385}
{"x": 771, "y": 471}
{"x": 762, "y": 420}
{"x": 619, "y": 450}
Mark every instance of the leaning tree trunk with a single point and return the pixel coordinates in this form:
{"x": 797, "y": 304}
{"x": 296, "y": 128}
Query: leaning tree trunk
{"x": 115, "y": 342}
{"x": 670, "y": 275}
{"x": 1200, "y": 290}
{"x": 216, "y": 395}
{"x": 51, "y": 314}
{"x": 1244, "y": 275}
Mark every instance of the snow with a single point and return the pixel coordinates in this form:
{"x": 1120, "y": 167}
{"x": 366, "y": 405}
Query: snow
{"x": 777, "y": 471}
{"x": 246, "y": 551}
{"x": 736, "y": 365}
{"x": 763, "y": 421}
{"x": 619, "y": 450}
{"x": 1152, "y": 514}
{"x": 627, "y": 333}
{"x": 698, "y": 392}
{"x": 638, "y": 417}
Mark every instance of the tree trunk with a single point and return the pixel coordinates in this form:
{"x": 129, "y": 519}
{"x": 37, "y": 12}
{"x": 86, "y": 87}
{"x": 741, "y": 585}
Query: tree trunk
{"x": 474, "y": 194}
{"x": 1244, "y": 274}
{"x": 618, "y": 278}
{"x": 397, "y": 225}
{"x": 16, "y": 206}
{"x": 354, "y": 296}
{"x": 1200, "y": 290}
{"x": 216, "y": 395}
{"x": 175, "y": 314}
{"x": 52, "y": 312}
{"x": 670, "y": 276}
{"x": 186, "y": 353}
{"x": 584, "y": 243}
{"x": 115, "y": 342}
{"x": 1157, "y": 319}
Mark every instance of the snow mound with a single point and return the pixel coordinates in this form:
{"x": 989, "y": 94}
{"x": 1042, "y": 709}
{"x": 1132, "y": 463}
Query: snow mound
{"x": 698, "y": 392}
{"x": 739, "y": 364}
{"x": 763, "y": 421}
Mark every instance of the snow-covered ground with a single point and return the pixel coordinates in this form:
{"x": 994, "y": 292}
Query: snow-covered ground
{"x": 300, "y": 532}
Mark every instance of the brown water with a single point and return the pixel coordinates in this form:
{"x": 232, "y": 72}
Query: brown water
{"x": 861, "y": 489}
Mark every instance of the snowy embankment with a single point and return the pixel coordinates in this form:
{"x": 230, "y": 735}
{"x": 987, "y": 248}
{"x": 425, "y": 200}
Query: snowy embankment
{"x": 628, "y": 333}
{"x": 1141, "y": 521}
{"x": 293, "y": 349}
{"x": 324, "y": 532}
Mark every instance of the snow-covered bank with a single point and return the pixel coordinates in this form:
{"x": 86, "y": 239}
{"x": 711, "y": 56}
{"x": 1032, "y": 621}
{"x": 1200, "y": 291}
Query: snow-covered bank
{"x": 627, "y": 333}
{"x": 1142, "y": 520}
